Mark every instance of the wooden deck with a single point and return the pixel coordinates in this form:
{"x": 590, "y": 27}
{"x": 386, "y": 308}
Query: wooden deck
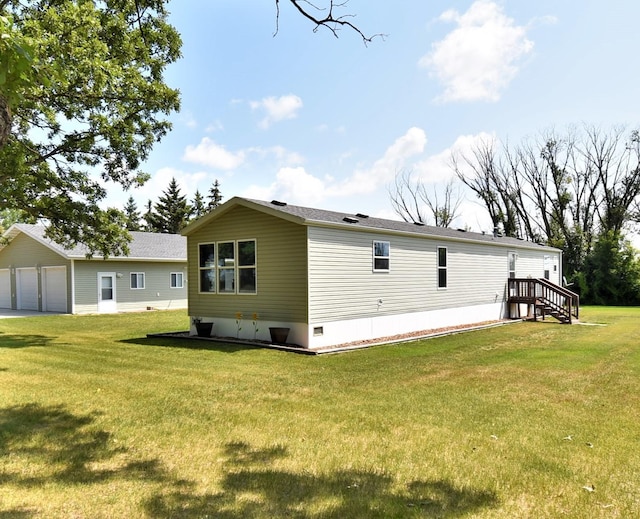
{"x": 542, "y": 298}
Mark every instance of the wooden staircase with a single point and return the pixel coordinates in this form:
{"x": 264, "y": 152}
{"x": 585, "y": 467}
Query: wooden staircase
{"x": 542, "y": 298}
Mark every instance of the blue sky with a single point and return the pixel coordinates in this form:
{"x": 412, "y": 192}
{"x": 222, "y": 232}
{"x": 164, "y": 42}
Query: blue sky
{"x": 327, "y": 122}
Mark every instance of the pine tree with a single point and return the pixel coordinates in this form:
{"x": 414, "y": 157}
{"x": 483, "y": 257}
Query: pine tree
{"x": 132, "y": 215}
{"x": 148, "y": 217}
{"x": 171, "y": 212}
{"x": 197, "y": 206}
{"x": 215, "y": 197}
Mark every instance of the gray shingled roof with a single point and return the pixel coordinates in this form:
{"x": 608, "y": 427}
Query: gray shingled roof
{"x": 309, "y": 215}
{"x": 143, "y": 246}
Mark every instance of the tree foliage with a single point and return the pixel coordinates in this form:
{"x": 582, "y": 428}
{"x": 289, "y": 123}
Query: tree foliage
{"x": 87, "y": 112}
{"x": 578, "y": 191}
{"x": 171, "y": 212}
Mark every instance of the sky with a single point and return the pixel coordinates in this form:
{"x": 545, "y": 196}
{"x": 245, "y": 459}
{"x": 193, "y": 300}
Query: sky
{"x": 310, "y": 119}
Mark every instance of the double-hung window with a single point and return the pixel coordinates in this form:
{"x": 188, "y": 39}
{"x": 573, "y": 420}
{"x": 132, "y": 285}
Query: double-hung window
{"x": 207, "y": 267}
{"x": 177, "y": 280}
{"x": 137, "y": 280}
{"x": 226, "y": 267}
{"x": 247, "y": 267}
{"x": 381, "y": 256}
{"x": 442, "y": 267}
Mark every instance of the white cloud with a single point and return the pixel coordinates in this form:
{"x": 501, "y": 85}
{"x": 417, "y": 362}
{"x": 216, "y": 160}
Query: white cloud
{"x": 384, "y": 169}
{"x": 208, "y": 153}
{"x": 294, "y": 185}
{"x": 277, "y": 108}
{"x": 480, "y": 57}
{"x": 437, "y": 168}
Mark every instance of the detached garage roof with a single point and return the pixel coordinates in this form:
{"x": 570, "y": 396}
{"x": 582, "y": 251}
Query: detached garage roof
{"x": 144, "y": 245}
{"x": 358, "y": 221}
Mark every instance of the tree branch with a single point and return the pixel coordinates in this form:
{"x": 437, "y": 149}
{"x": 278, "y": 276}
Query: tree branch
{"x": 331, "y": 22}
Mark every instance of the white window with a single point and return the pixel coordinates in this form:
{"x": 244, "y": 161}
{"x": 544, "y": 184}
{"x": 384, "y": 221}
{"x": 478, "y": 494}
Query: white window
{"x": 227, "y": 267}
{"x": 442, "y": 267}
{"x": 137, "y": 280}
{"x": 247, "y": 267}
{"x": 207, "y": 267}
{"x": 176, "y": 280}
{"x": 381, "y": 256}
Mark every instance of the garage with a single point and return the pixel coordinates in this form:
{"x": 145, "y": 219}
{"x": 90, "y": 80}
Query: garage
{"x": 5, "y": 288}
{"x": 27, "y": 289}
{"x": 54, "y": 289}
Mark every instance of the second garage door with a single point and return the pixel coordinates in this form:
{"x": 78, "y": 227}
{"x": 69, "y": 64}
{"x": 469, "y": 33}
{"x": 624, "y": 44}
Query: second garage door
{"x": 27, "y": 288}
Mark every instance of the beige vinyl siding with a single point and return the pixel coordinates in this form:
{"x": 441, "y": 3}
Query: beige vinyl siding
{"x": 281, "y": 254}
{"x": 343, "y": 285}
{"x": 25, "y": 252}
{"x": 156, "y": 294}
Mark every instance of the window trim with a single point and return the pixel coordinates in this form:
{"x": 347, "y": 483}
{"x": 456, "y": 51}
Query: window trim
{"x": 201, "y": 269}
{"x": 236, "y": 268}
{"x": 219, "y": 268}
{"x": 442, "y": 268}
{"x": 138, "y": 275}
{"x": 253, "y": 267}
{"x": 386, "y": 257}
{"x": 181, "y": 274}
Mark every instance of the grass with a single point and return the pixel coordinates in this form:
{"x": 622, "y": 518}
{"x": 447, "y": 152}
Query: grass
{"x": 98, "y": 421}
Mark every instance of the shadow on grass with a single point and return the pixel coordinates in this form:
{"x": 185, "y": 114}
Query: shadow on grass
{"x": 24, "y": 341}
{"x": 250, "y": 488}
{"x": 190, "y": 344}
{"x": 44, "y": 444}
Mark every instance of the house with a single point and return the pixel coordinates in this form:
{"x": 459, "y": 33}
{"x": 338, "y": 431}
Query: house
{"x": 334, "y": 278}
{"x": 39, "y": 274}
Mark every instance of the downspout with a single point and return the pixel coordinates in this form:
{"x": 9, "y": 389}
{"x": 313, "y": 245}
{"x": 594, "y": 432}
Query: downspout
{"x": 73, "y": 286}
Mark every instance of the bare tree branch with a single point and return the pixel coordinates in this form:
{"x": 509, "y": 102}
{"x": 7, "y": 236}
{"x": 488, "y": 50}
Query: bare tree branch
{"x": 325, "y": 17}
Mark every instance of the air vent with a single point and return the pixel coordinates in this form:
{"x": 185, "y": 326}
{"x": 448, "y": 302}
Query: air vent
{"x": 360, "y": 215}
{"x": 278, "y": 203}
{"x": 462, "y": 230}
{"x": 349, "y": 219}
{"x": 419, "y": 224}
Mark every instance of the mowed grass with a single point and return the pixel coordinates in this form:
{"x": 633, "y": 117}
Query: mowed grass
{"x": 525, "y": 420}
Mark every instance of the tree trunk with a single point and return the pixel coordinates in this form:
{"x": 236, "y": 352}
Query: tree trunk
{"x": 5, "y": 121}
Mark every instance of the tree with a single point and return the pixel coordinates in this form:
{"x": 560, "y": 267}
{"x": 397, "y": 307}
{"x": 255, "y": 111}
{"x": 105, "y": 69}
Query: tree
{"x": 82, "y": 102}
{"x": 171, "y": 212}
{"x": 215, "y": 196}
{"x": 611, "y": 273}
{"x": 132, "y": 214}
{"x": 411, "y": 200}
{"x": 198, "y": 207}
{"x": 148, "y": 217}
{"x": 85, "y": 99}
{"x": 563, "y": 190}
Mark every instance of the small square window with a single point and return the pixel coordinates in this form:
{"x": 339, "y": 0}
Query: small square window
{"x": 177, "y": 280}
{"x": 137, "y": 280}
{"x": 381, "y": 250}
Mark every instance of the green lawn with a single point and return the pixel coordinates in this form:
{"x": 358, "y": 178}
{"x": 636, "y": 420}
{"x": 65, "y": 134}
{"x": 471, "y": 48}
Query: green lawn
{"x": 97, "y": 421}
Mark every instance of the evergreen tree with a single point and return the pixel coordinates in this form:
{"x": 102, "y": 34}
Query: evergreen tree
{"x": 132, "y": 215}
{"x": 148, "y": 217}
{"x": 171, "y": 213}
{"x": 197, "y": 206}
{"x": 215, "y": 196}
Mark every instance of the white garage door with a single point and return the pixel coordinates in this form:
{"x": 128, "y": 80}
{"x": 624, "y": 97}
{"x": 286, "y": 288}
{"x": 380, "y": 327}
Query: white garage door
{"x": 54, "y": 289}
{"x": 27, "y": 289}
{"x": 5, "y": 288}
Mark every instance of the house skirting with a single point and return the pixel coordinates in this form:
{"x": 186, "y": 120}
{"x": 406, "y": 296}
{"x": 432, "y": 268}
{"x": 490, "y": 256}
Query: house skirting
{"x": 322, "y": 335}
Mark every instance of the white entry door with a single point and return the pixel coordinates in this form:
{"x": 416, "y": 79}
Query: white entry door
{"x": 27, "y": 288}
{"x": 5, "y": 288}
{"x": 107, "y": 292}
{"x": 54, "y": 289}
